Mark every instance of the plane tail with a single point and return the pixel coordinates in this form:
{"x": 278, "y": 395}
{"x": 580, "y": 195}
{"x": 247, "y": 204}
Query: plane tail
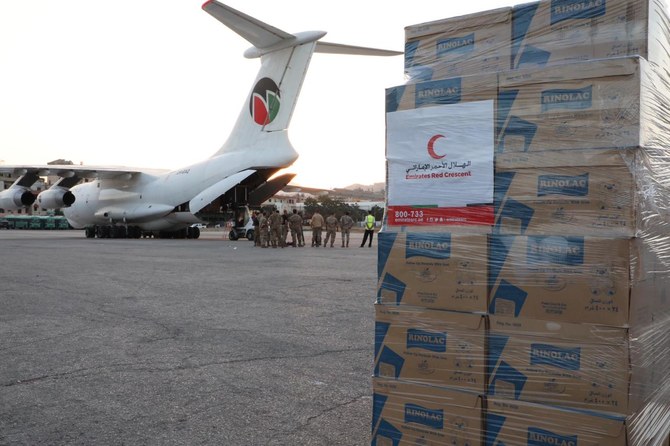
{"x": 263, "y": 122}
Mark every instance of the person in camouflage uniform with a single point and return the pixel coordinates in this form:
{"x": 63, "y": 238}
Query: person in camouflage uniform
{"x": 301, "y": 233}
{"x": 257, "y": 232}
{"x": 346, "y": 223}
{"x": 263, "y": 226}
{"x": 284, "y": 227}
{"x": 274, "y": 221}
{"x": 316, "y": 223}
{"x": 295, "y": 225}
{"x": 331, "y": 229}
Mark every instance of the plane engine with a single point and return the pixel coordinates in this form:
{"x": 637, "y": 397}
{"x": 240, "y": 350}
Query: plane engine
{"x": 16, "y": 197}
{"x": 55, "y": 198}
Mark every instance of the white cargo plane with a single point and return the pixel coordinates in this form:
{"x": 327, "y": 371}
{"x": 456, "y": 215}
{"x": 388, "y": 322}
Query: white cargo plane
{"x": 126, "y": 202}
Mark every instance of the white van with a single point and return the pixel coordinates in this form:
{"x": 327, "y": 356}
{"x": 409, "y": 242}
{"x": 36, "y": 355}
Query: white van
{"x": 246, "y": 230}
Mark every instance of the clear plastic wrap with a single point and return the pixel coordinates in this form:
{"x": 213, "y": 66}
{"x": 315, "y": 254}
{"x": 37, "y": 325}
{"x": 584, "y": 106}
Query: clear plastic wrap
{"x": 410, "y": 413}
{"x": 536, "y": 34}
{"x": 550, "y": 301}
{"x": 475, "y": 43}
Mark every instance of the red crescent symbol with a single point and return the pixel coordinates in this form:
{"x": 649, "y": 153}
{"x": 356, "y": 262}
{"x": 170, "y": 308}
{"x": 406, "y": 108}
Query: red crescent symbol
{"x": 431, "y": 149}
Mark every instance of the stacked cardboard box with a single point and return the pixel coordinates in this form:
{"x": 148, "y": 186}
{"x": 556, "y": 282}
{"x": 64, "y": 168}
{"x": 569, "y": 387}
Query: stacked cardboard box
{"x": 536, "y": 34}
{"x": 411, "y": 413}
{"x": 589, "y": 105}
{"x": 431, "y": 346}
{"x": 430, "y": 338}
{"x": 569, "y": 279}
{"x": 567, "y": 31}
{"x": 476, "y": 43}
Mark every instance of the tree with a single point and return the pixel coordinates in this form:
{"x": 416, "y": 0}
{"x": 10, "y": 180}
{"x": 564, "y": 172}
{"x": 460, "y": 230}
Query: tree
{"x": 61, "y": 161}
{"x": 357, "y": 213}
{"x": 326, "y": 205}
{"x": 311, "y": 205}
{"x": 378, "y": 212}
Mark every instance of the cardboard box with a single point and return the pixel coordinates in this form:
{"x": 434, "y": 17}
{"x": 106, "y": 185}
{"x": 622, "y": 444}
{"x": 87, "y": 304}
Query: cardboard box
{"x": 452, "y": 90}
{"x": 464, "y": 109}
{"x": 411, "y": 414}
{"x": 445, "y": 271}
{"x": 582, "y": 366}
{"x": 458, "y": 46}
{"x": 561, "y": 278}
{"x": 518, "y": 423}
{"x": 610, "y": 281}
{"x": 443, "y": 348}
{"x": 597, "y": 104}
{"x": 566, "y": 31}
{"x": 648, "y": 32}
{"x": 566, "y": 192}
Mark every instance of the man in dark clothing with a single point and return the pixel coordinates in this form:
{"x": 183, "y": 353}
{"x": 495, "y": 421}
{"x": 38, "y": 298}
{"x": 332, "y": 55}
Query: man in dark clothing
{"x": 369, "y": 229}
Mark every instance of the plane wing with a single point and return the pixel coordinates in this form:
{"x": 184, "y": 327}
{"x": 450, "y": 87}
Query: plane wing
{"x": 69, "y": 171}
{"x": 338, "y": 48}
{"x": 259, "y": 34}
{"x": 58, "y": 195}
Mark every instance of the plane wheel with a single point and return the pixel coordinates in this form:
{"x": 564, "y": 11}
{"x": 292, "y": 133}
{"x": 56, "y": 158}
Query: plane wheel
{"x": 232, "y": 235}
{"x": 119, "y": 232}
{"x": 250, "y": 235}
{"x": 196, "y": 233}
{"x": 90, "y": 232}
{"x": 137, "y": 232}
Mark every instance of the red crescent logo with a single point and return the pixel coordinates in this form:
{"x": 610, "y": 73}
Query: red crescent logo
{"x": 431, "y": 148}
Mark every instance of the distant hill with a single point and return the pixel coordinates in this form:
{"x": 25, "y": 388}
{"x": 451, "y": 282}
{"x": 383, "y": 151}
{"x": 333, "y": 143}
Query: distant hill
{"x": 376, "y": 187}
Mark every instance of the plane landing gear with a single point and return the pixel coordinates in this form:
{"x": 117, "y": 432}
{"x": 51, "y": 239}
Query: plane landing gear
{"x": 190, "y": 232}
{"x": 112, "y": 231}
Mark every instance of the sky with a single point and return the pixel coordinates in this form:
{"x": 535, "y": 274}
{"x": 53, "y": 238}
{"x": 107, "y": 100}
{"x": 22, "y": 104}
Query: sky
{"x": 160, "y": 84}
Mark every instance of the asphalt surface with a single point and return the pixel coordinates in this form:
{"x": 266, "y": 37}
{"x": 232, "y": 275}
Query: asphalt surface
{"x": 184, "y": 342}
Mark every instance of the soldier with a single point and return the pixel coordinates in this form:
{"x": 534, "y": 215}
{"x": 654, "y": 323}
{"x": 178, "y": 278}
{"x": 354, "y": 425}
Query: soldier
{"x": 274, "y": 221}
{"x": 295, "y": 224}
{"x": 263, "y": 226}
{"x": 317, "y": 226}
{"x": 257, "y": 232}
{"x": 301, "y": 232}
{"x": 284, "y": 227}
{"x": 331, "y": 229}
{"x": 346, "y": 223}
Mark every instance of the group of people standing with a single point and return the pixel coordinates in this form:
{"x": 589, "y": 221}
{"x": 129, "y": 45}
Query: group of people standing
{"x": 272, "y": 230}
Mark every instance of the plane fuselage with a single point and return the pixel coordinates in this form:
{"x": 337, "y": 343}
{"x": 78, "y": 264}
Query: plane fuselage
{"x": 158, "y": 202}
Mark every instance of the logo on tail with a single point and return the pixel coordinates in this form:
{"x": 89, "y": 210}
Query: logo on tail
{"x": 264, "y": 102}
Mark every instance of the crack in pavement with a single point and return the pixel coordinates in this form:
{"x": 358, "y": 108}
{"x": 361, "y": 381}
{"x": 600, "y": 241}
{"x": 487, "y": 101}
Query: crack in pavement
{"x": 50, "y": 338}
{"x": 320, "y": 414}
{"x": 148, "y": 368}
{"x": 56, "y": 376}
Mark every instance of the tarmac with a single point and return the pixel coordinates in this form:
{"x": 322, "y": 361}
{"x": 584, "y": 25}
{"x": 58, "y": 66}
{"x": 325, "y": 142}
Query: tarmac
{"x": 184, "y": 342}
